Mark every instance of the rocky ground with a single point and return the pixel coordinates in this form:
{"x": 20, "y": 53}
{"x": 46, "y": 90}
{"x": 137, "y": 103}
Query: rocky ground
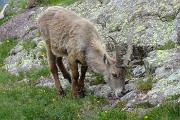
{"x": 145, "y": 23}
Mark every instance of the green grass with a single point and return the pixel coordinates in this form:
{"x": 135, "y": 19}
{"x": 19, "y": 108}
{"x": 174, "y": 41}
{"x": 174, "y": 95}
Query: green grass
{"x": 167, "y": 46}
{"x": 6, "y": 18}
{"x": 55, "y": 2}
{"x": 99, "y": 79}
{"x": 35, "y": 73}
{"x": 28, "y": 44}
{"x": 21, "y": 100}
{"x": 6, "y": 46}
{"x": 24, "y": 101}
{"x": 143, "y": 105}
{"x": 166, "y": 111}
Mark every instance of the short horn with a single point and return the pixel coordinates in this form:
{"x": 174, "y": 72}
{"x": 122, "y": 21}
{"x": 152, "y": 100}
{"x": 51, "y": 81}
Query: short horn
{"x": 120, "y": 52}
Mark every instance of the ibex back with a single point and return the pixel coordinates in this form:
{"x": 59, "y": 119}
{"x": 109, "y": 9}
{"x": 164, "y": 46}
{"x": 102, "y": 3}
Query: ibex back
{"x": 66, "y": 34}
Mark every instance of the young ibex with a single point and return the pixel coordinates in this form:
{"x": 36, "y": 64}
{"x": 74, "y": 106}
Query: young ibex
{"x": 67, "y": 34}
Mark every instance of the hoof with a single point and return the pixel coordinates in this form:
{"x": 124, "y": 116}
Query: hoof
{"x": 61, "y": 93}
{"x": 82, "y": 94}
{"x": 68, "y": 77}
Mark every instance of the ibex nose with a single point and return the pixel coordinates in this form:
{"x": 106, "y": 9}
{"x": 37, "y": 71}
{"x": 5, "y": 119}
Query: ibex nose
{"x": 119, "y": 95}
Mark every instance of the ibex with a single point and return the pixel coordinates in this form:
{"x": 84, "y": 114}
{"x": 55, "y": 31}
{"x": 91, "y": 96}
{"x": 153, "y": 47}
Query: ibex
{"x": 66, "y": 34}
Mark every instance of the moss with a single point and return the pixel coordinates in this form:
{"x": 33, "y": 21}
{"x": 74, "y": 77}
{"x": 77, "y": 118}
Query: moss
{"x": 162, "y": 54}
{"x": 140, "y": 28}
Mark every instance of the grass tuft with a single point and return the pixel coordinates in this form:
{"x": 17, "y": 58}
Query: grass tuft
{"x": 144, "y": 86}
{"x": 167, "y": 46}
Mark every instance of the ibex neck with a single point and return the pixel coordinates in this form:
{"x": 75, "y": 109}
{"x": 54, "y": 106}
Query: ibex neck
{"x": 94, "y": 60}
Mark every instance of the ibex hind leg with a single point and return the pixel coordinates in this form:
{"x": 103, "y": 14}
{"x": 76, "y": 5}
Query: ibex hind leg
{"x": 54, "y": 71}
{"x": 81, "y": 88}
{"x": 61, "y": 66}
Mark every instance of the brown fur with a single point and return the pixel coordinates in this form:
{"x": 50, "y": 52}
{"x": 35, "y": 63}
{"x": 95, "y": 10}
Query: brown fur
{"x": 67, "y": 34}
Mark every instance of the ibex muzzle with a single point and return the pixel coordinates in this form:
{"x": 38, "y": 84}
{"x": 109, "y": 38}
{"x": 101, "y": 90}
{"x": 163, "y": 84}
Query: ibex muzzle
{"x": 66, "y": 34}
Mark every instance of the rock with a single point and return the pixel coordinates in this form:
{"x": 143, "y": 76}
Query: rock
{"x": 16, "y": 49}
{"x": 111, "y": 104}
{"x": 49, "y": 82}
{"x": 156, "y": 98}
{"x": 22, "y": 26}
{"x": 130, "y": 86}
{"x": 37, "y": 40}
{"x": 139, "y": 71}
{"x": 166, "y": 79}
{"x": 101, "y": 90}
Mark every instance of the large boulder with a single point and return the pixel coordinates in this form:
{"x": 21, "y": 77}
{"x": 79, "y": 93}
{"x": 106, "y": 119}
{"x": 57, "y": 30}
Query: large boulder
{"x": 166, "y": 79}
{"x": 143, "y": 22}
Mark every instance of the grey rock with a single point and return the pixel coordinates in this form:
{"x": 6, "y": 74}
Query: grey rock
{"x": 156, "y": 98}
{"x": 139, "y": 71}
{"x": 101, "y": 90}
{"x": 37, "y": 40}
{"x": 16, "y": 49}
{"x": 166, "y": 80}
{"x": 164, "y": 58}
{"x": 22, "y": 26}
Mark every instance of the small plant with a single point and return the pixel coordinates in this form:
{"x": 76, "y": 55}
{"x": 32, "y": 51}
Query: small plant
{"x": 29, "y": 44}
{"x": 122, "y": 104}
{"x": 112, "y": 114}
{"x": 167, "y": 46}
{"x": 144, "y": 86}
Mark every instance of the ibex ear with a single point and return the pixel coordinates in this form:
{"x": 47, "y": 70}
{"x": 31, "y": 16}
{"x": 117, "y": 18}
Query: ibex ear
{"x": 105, "y": 60}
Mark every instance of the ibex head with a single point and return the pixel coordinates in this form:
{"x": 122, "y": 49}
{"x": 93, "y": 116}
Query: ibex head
{"x": 116, "y": 70}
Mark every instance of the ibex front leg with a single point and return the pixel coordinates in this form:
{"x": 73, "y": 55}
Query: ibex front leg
{"x": 54, "y": 71}
{"x": 75, "y": 76}
{"x": 81, "y": 81}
